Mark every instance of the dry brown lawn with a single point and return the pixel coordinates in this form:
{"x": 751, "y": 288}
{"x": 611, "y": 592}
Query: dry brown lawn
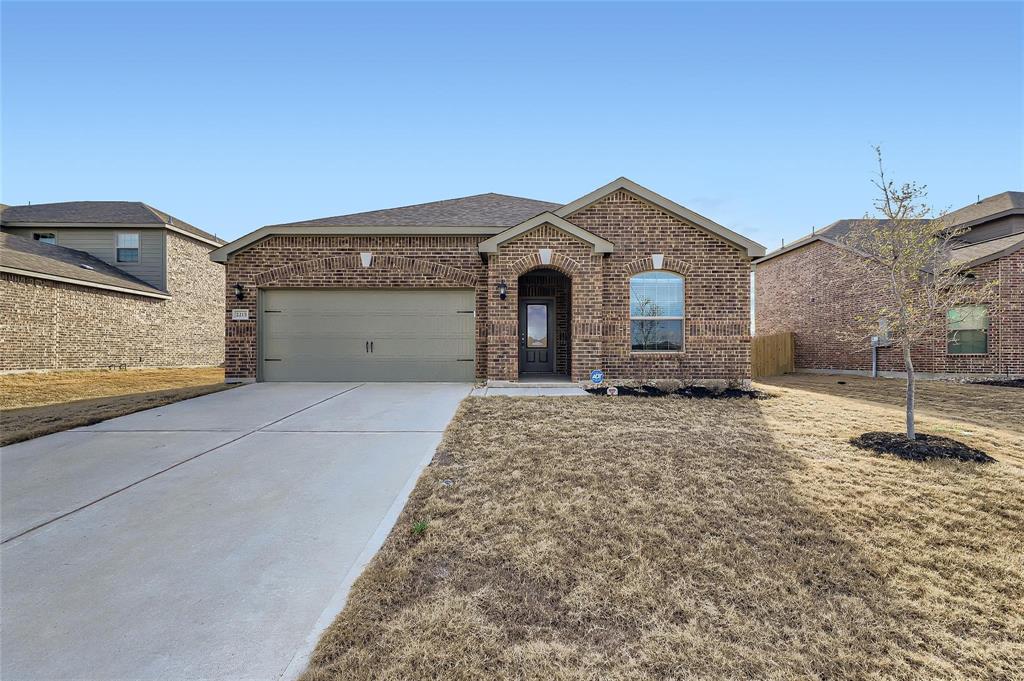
{"x": 631, "y": 538}
{"x": 35, "y": 404}
{"x": 971, "y": 403}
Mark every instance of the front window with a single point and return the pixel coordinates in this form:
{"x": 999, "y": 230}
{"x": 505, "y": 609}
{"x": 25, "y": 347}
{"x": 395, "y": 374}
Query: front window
{"x": 967, "y": 330}
{"x": 128, "y": 247}
{"x": 45, "y": 237}
{"x": 656, "y": 312}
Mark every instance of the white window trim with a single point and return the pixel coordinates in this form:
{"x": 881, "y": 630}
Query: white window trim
{"x": 680, "y": 318}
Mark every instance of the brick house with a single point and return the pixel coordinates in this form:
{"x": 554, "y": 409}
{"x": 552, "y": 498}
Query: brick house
{"x": 493, "y": 287}
{"x": 91, "y": 284}
{"x": 805, "y": 288}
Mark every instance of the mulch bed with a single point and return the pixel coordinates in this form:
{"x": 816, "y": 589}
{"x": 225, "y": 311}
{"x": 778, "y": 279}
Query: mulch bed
{"x": 693, "y": 392}
{"x": 924, "y": 448}
{"x": 1007, "y": 383}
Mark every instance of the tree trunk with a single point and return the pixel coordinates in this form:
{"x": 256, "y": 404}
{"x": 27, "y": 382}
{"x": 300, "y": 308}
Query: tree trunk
{"x": 911, "y": 434}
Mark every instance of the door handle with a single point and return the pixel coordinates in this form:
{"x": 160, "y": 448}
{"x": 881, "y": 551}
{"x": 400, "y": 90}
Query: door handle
{"x": 367, "y": 346}
{"x": 371, "y": 347}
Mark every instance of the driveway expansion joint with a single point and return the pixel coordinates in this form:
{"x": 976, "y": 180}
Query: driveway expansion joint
{"x": 243, "y": 434}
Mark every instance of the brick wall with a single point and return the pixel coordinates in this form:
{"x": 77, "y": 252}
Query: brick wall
{"x": 52, "y": 325}
{"x": 517, "y": 258}
{"x": 807, "y": 291}
{"x": 716, "y": 290}
{"x": 333, "y": 262}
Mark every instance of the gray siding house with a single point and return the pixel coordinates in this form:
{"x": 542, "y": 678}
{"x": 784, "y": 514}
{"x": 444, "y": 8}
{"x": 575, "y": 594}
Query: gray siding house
{"x": 88, "y": 284}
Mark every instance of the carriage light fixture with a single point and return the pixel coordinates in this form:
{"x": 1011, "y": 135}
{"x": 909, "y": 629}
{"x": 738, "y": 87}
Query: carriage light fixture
{"x": 503, "y": 290}
{"x": 239, "y": 292}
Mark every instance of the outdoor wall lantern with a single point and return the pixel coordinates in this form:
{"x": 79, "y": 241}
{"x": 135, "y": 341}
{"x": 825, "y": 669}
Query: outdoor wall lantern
{"x": 239, "y": 292}
{"x": 503, "y": 290}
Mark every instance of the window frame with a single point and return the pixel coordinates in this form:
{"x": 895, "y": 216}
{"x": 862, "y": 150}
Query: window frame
{"x": 984, "y": 329}
{"x": 681, "y": 318}
{"x": 45, "y": 237}
{"x": 118, "y": 248}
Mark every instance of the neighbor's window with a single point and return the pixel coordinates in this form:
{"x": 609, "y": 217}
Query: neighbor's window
{"x": 656, "y": 311}
{"x": 967, "y": 330}
{"x": 128, "y": 247}
{"x": 883, "y": 333}
{"x": 45, "y": 237}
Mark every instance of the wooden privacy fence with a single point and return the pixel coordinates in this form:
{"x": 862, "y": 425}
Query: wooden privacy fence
{"x": 772, "y": 355}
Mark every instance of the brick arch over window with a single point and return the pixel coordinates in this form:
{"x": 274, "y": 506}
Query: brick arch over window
{"x": 559, "y": 263}
{"x": 670, "y": 264}
{"x": 351, "y": 261}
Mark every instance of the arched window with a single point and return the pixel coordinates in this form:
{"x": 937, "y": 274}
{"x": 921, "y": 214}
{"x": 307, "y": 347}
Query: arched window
{"x": 656, "y": 312}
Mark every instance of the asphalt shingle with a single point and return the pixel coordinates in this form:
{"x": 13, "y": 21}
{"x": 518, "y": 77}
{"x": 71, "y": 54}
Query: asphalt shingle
{"x": 35, "y": 256}
{"x": 498, "y": 210}
{"x": 993, "y": 205}
{"x": 71, "y": 213}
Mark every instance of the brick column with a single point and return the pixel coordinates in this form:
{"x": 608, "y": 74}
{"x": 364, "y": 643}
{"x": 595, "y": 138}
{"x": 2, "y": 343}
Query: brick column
{"x": 502, "y": 322}
{"x": 587, "y": 318}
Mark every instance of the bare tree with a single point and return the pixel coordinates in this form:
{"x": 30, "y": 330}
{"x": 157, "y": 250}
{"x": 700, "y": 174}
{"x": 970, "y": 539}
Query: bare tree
{"x": 904, "y": 265}
{"x": 648, "y": 330}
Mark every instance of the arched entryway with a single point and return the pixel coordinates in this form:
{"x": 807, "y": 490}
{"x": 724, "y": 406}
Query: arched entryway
{"x": 545, "y": 313}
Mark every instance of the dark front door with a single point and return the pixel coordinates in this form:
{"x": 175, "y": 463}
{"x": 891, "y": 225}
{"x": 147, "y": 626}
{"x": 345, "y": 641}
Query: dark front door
{"x": 536, "y": 336}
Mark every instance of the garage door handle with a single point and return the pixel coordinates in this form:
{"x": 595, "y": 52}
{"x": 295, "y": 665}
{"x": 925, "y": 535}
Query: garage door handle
{"x": 371, "y": 347}
{"x": 367, "y": 346}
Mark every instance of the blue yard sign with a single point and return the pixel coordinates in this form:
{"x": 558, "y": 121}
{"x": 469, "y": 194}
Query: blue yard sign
{"x": 597, "y": 376}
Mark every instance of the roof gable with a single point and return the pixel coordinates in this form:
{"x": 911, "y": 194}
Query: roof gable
{"x": 600, "y": 245}
{"x": 752, "y": 248}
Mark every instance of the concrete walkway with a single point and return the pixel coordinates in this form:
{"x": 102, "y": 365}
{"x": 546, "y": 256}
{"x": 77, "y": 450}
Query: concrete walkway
{"x": 213, "y": 538}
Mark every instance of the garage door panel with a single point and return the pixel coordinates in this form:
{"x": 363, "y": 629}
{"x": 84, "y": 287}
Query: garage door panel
{"x": 322, "y": 335}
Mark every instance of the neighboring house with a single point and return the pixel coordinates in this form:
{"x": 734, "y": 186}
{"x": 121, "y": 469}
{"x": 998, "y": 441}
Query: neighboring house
{"x": 493, "y": 287}
{"x": 107, "y": 283}
{"x": 805, "y": 288}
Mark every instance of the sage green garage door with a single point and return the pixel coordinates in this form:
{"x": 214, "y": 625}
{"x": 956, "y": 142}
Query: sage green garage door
{"x": 393, "y": 335}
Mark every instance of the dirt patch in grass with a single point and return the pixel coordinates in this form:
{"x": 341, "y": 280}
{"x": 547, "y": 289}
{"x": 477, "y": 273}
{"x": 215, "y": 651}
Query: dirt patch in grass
{"x": 26, "y": 423}
{"x": 634, "y": 538}
{"x": 692, "y": 392}
{"x": 922, "y": 448}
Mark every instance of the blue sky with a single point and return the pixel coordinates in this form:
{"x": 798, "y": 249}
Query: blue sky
{"x": 760, "y": 116}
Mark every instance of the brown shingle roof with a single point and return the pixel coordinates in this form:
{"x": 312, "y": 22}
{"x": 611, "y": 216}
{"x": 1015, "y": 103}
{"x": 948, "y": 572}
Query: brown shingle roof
{"x": 49, "y": 259}
{"x": 492, "y": 210}
{"x": 978, "y": 253}
{"x": 993, "y": 205}
{"x": 70, "y": 213}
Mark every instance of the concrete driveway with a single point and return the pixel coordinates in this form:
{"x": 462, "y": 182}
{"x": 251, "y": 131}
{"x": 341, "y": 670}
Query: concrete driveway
{"x": 213, "y": 538}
